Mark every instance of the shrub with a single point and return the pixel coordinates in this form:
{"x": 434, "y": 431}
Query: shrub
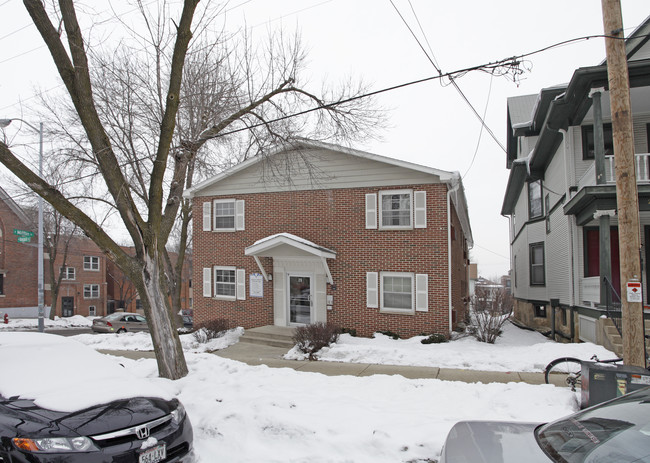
{"x": 211, "y": 329}
{"x": 350, "y": 331}
{"x": 435, "y": 338}
{"x": 491, "y": 308}
{"x": 311, "y": 338}
{"x": 389, "y": 333}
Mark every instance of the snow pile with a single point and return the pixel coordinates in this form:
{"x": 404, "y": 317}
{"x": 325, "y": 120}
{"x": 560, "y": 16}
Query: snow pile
{"x": 76, "y": 321}
{"x": 514, "y": 350}
{"x": 142, "y": 341}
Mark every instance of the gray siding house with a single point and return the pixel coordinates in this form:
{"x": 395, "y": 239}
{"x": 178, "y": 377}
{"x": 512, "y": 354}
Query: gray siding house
{"x": 562, "y": 208}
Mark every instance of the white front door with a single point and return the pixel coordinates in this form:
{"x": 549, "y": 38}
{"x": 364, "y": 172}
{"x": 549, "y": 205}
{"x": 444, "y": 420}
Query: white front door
{"x": 300, "y": 300}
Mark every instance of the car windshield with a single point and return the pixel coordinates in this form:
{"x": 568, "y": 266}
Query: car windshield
{"x": 615, "y": 431}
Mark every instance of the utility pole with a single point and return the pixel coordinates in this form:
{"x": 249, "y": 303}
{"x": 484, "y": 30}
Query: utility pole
{"x": 627, "y": 199}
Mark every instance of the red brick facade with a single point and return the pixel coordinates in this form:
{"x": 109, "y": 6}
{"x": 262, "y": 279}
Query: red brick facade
{"x": 335, "y": 219}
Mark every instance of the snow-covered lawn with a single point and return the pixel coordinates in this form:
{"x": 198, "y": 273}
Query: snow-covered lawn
{"x": 243, "y": 413}
{"x": 76, "y": 321}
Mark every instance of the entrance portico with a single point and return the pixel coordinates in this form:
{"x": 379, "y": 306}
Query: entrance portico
{"x": 300, "y": 275}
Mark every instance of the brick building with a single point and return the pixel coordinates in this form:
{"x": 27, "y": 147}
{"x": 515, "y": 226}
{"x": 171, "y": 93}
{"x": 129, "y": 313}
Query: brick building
{"x": 18, "y": 269}
{"x": 319, "y": 232}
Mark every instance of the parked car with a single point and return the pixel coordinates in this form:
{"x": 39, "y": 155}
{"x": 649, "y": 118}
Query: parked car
{"x": 120, "y": 322}
{"x": 54, "y": 407}
{"x": 188, "y": 322}
{"x": 616, "y": 431}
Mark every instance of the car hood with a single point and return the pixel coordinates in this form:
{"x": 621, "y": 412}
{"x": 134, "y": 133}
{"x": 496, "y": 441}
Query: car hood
{"x": 492, "y": 442}
{"x": 32, "y": 421}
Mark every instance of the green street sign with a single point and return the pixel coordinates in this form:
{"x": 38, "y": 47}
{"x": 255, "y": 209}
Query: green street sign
{"x": 24, "y": 239}
{"x": 21, "y": 233}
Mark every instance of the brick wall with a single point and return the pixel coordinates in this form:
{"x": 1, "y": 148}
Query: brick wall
{"x": 334, "y": 219}
{"x": 18, "y": 262}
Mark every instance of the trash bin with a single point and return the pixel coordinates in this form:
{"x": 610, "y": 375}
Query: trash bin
{"x": 604, "y": 381}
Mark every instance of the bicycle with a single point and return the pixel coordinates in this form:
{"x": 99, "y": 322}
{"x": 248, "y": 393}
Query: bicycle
{"x": 567, "y": 371}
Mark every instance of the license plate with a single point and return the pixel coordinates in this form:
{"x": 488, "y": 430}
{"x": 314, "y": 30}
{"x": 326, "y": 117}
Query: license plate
{"x": 153, "y": 455}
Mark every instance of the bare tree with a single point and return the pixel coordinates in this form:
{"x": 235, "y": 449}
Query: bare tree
{"x": 142, "y": 130}
{"x": 491, "y": 308}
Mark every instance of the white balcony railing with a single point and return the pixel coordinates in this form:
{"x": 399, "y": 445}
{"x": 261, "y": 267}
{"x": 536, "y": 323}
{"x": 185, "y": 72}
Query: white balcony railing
{"x": 642, "y": 168}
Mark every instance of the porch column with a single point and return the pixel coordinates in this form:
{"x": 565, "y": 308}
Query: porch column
{"x": 599, "y": 138}
{"x": 605, "y": 251}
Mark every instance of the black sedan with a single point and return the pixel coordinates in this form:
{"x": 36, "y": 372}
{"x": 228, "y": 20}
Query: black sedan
{"x": 34, "y": 428}
{"x": 614, "y": 431}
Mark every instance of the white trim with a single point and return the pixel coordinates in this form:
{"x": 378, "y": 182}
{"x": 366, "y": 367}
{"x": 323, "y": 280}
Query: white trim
{"x": 207, "y": 282}
{"x": 383, "y": 308}
{"x": 371, "y": 210}
{"x": 214, "y": 283}
{"x": 372, "y": 290}
{"x": 380, "y": 208}
{"x": 207, "y": 216}
{"x": 261, "y": 267}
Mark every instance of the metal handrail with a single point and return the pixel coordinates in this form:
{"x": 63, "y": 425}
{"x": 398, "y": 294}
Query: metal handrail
{"x": 613, "y": 305}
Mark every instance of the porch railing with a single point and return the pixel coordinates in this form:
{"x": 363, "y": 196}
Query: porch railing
{"x": 613, "y": 305}
{"x": 642, "y": 168}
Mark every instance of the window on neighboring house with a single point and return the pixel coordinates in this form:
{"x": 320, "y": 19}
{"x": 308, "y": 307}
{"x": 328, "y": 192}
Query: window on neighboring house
{"x": 591, "y": 247}
{"x": 225, "y": 282}
{"x": 67, "y": 273}
{"x": 397, "y": 291}
{"x": 138, "y": 304}
{"x": 92, "y": 311}
{"x": 588, "y": 146}
{"x": 91, "y": 291}
{"x": 535, "y": 206}
{"x": 2, "y": 284}
{"x": 540, "y": 310}
{"x": 395, "y": 210}
{"x": 91, "y": 263}
{"x": 537, "y": 271}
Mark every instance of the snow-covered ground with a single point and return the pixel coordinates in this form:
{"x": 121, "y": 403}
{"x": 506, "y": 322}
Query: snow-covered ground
{"x": 243, "y": 413}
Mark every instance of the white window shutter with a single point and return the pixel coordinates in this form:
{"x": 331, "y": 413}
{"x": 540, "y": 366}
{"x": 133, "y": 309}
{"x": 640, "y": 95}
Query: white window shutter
{"x": 371, "y": 210}
{"x": 422, "y": 292}
{"x": 420, "y": 209}
{"x": 372, "y": 289}
{"x": 239, "y": 215}
{"x": 207, "y": 213}
{"x": 207, "y": 282}
{"x": 241, "y": 284}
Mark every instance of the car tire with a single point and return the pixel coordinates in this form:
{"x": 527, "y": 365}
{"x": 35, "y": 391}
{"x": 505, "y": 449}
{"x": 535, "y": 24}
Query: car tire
{"x": 121, "y": 330}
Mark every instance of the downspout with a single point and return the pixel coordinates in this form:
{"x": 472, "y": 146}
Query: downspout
{"x": 454, "y": 189}
{"x": 570, "y": 172}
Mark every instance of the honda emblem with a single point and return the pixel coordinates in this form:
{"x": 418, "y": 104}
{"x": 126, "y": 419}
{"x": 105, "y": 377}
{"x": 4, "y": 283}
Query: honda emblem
{"x": 142, "y": 432}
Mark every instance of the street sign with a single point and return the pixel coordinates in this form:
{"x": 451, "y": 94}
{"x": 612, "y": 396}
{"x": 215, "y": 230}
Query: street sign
{"x": 24, "y": 239}
{"x": 24, "y": 233}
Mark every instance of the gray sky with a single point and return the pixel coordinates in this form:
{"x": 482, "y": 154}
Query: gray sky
{"x": 429, "y": 123}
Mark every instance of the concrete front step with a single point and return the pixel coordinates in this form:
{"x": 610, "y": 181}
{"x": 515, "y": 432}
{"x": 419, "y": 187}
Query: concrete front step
{"x": 274, "y": 336}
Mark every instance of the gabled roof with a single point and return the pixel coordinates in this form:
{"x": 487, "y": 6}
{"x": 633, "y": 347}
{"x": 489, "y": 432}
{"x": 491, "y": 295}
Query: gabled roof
{"x": 15, "y": 208}
{"x": 445, "y": 176}
{"x": 261, "y": 247}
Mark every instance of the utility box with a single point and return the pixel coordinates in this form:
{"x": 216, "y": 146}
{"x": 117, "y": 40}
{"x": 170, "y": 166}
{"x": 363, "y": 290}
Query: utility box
{"x": 601, "y": 382}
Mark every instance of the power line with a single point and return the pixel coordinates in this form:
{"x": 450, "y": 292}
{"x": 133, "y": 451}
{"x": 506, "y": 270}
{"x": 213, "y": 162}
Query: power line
{"x": 451, "y": 79}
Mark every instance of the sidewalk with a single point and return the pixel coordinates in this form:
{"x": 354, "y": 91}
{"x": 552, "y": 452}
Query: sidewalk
{"x": 253, "y": 354}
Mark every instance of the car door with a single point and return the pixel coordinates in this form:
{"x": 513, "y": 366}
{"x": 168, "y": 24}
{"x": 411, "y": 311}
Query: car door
{"x": 137, "y": 323}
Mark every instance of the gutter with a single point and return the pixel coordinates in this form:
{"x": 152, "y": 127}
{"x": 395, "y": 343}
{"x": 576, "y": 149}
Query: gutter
{"x": 456, "y": 184}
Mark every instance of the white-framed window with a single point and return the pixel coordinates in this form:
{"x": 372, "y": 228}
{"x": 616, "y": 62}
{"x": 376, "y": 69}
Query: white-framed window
{"x": 395, "y": 209}
{"x": 68, "y": 273}
{"x": 225, "y": 282}
{"x": 91, "y": 291}
{"x": 91, "y": 263}
{"x": 92, "y": 311}
{"x": 397, "y": 291}
{"x": 227, "y": 215}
